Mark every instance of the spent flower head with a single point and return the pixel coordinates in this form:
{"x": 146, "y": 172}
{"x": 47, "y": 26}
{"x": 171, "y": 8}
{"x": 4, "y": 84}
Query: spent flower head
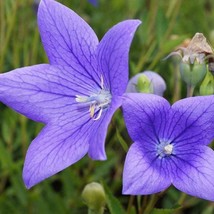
{"x": 196, "y": 51}
{"x": 75, "y": 95}
{"x": 194, "y": 58}
{"x": 170, "y": 145}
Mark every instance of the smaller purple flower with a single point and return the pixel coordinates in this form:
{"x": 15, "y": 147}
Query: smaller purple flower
{"x": 36, "y": 4}
{"x": 170, "y": 145}
{"x": 156, "y": 83}
{"x": 75, "y": 96}
{"x": 94, "y": 2}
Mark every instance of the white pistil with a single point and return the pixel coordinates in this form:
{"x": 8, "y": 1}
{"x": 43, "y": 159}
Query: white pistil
{"x": 168, "y": 149}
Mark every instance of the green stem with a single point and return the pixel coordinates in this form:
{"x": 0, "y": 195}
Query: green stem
{"x": 190, "y": 90}
{"x": 153, "y": 200}
{"x": 144, "y": 203}
{"x": 10, "y": 23}
{"x": 122, "y": 141}
{"x": 151, "y": 204}
{"x": 98, "y": 211}
{"x": 182, "y": 198}
{"x": 131, "y": 200}
{"x": 139, "y": 208}
{"x": 176, "y": 82}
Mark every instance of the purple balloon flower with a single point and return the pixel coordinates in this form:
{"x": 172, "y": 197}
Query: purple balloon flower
{"x": 75, "y": 95}
{"x": 157, "y": 83}
{"x": 170, "y": 145}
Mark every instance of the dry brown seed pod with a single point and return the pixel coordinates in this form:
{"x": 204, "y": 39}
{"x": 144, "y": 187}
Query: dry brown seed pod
{"x": 199, "y": 44}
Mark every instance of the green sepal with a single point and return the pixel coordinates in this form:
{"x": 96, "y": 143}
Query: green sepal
{"x": 144, "y": 85}
{"x": 192, "y": 74}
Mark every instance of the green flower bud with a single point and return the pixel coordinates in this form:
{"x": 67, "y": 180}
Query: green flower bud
{"x": 94, "y": 197}
{"x": 192, "y": 74}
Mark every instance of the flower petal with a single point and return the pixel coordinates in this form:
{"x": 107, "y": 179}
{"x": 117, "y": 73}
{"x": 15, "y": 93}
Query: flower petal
{"x": 194, "y": 173}
{"x": 113, "y": 53}
{"x": 141, "y": 176}
{"x": 42, "y": 92}
{"x": 145, "y": 116}
{"x": 53, "y": 150}
{"x": 66, "y": 140}
{"x": 67, "y": 38}
{"x": 97, "y": 141}
{"x": 194, "y": 120}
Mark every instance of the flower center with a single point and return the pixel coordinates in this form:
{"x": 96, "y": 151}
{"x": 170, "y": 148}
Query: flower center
{"x": 97, "y": 102}
{"x": 164, "y": 149}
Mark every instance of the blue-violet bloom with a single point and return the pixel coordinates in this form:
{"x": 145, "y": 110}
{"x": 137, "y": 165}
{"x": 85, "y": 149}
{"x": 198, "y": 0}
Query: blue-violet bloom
{"x": 75, "y": 95}
{"x": 170, "y": 145}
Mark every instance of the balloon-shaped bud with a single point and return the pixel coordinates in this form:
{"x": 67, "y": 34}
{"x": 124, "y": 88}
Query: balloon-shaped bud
{"x": 94, "y": 197}
{"x": 147, "y": 82}
{"x": 192, "y": 74}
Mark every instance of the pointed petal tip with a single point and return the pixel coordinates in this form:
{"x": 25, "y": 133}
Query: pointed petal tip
{"x": 27, "y": 179}
{"x": 135, "y": 22}
{"x": 138, "y": 21}
{"x": 125, "y": 191}
{"x": 28, "y": 186}
{"x": 101, "y": 156}
{"x": 27, "y": 182}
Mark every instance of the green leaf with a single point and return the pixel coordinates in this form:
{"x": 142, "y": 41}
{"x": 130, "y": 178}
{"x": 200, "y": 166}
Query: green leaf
{"x": 113, "y": 203}
{"x": 166, "y": 211}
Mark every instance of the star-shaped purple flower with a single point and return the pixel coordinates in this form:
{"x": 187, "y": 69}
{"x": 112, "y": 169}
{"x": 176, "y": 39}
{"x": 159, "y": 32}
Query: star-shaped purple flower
{"x": 170, "y": 145}
{"x": 75, "y": 95}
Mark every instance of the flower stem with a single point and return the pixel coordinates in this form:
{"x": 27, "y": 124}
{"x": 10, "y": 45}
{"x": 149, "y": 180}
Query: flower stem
{"x": 176, "y": 82}
{"x": 152, "y": 201}
{"x": 182, "y": 198}
{"x": 131, "y": 200}
{"x": 139, "y": 207}
{"x": 190, "y": 90}
{"x": 151, "y": 204}
{"x": 98, "y": 211}
{"x": 144, "y": 203}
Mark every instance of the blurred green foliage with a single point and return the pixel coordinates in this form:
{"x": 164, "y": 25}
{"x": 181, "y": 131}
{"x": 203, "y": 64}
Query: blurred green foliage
{"x": 165, "y": 26}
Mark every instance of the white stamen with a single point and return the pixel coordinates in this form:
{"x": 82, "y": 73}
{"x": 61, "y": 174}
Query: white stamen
{"x": 81, "y": 99}
{"x": 97, "y": 101}
{"x": 91, "y": 110}
{"x": 99, "y": 115}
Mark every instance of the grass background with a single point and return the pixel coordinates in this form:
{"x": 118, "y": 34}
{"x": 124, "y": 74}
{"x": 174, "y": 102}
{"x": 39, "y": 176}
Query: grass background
{"x": 166, "y": 24}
